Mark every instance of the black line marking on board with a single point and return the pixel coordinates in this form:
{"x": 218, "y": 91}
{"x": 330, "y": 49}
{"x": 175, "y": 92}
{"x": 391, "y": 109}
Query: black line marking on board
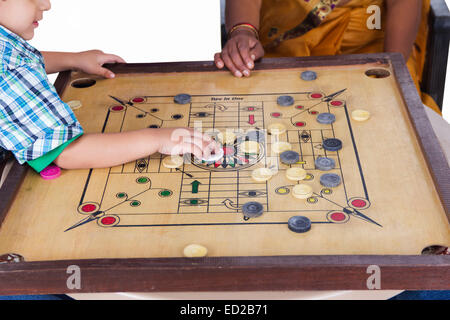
{"x": 91, "y": 170}
{"x": 104, "y": 190}
{"x": 106, "y": 121}
{"x": 182, "y": 171}
{"x": 356, "y": 152}
{"x": 85, "y": 187}
{"x": 211, "y": 224}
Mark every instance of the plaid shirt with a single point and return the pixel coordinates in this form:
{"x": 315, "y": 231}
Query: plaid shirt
{"x": 33, "y": 118}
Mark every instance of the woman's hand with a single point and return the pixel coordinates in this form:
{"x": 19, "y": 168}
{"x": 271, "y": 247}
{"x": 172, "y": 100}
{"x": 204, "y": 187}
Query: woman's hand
{"x": 239, "y": 53}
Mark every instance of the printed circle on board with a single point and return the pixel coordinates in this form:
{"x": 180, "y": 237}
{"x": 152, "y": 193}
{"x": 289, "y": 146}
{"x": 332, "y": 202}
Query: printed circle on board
{"x": 143, "y": 180}
{"x": 88, "y": 207}
{"x": 122, "y": 195}
{"x": 312, "y": 200}
{"x": 108, "y": 221}
{"x": 316, "y": 95}
{"x": 135, "y": 203}
{"x": 282, "y": 191}
{"x": 359, "y": 203}
{"x": 117, "y": 108}
{"x": 138, "y": 100}
{"x": 336, "y": 103}
{"x": 337, "y": 217}
{"x": 165, "y": 193}
{"x": 276, "y": 114}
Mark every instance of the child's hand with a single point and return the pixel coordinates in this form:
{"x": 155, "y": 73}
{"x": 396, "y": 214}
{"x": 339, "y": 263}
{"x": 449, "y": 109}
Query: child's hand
{"x": 92, "y": 61}
{"x": 177, "y": 141}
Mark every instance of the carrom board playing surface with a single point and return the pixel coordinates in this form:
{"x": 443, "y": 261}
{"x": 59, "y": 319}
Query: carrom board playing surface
{"x": 392, "y": 198}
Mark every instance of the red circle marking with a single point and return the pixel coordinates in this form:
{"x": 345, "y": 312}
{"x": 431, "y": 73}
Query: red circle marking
{"x": 337, "y": 216}
{"x": 300, "y": 124}
{"x": 359, "y": 203}
{"x": 314, "y": 112}
{"x": 117, "y": 108}
{"x": 316, "y": 95}
{"x": 138, "y": 100}
{"x": 89, "y": 208}
{"x": 299, "y": 107}
{"x": 251, "y": 109}
{"x": 108, "y": 220}
{"x": 276, "y": 114}
{"x": 336, "y": 103}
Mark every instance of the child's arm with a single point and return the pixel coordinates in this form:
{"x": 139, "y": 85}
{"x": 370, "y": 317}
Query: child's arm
{"x": 403, "y": 20}
{"x": 112, "y": 149}
{"x": 90, "y": 62}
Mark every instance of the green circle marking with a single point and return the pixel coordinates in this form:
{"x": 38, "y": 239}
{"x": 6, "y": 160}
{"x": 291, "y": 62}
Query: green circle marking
{"x": 121, "y": 195}
{"x": 142, "y": 180}
{"x": 165, "y": 193}
{"x": 135, "y": 203}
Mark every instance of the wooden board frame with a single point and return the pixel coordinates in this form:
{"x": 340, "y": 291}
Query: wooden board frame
{"x": 343, "y": 272}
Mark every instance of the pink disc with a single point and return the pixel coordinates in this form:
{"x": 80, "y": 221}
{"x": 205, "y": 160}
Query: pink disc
{"x": 316, "y": 95}
{"x": 51, "y": 172}
{"x": 300, "y": 124}
{"x": 276, "y": 114}
{"x": 299, "y": 107}
{"x": 314, "y": 112}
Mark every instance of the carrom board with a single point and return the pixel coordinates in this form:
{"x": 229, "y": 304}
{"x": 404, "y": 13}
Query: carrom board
{"x": 126, "y": 227}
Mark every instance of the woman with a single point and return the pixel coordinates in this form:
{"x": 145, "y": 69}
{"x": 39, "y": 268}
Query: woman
{"x": 286, "y": 28}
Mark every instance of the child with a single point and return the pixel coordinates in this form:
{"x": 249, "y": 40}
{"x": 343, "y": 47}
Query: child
{"x": 40, "y": 129}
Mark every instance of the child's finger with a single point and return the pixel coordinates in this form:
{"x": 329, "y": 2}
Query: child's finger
{"x": 112, "y": 58}
{"x": 108, "y": 74}
{"x": 192, "y": 149}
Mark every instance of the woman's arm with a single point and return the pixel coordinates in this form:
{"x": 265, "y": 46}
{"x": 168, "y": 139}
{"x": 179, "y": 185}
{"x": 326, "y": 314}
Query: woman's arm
{"x": 403, "y": 20}
{"x": 243, "y": 47}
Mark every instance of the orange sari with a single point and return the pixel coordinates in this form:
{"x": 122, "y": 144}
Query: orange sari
{"x": 293, "y": 28}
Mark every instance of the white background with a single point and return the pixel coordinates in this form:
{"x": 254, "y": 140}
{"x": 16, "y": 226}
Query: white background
{"x": 142, "y": 31}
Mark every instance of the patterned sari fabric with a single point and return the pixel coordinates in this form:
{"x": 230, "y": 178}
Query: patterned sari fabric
{"x": 294, "y": 28}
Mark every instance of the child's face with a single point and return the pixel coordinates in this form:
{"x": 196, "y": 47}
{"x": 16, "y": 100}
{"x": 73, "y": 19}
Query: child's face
{"x": 22, "y": 16}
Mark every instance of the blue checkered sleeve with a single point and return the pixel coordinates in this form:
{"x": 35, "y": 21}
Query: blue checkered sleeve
{"x": 33, "y": 119}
